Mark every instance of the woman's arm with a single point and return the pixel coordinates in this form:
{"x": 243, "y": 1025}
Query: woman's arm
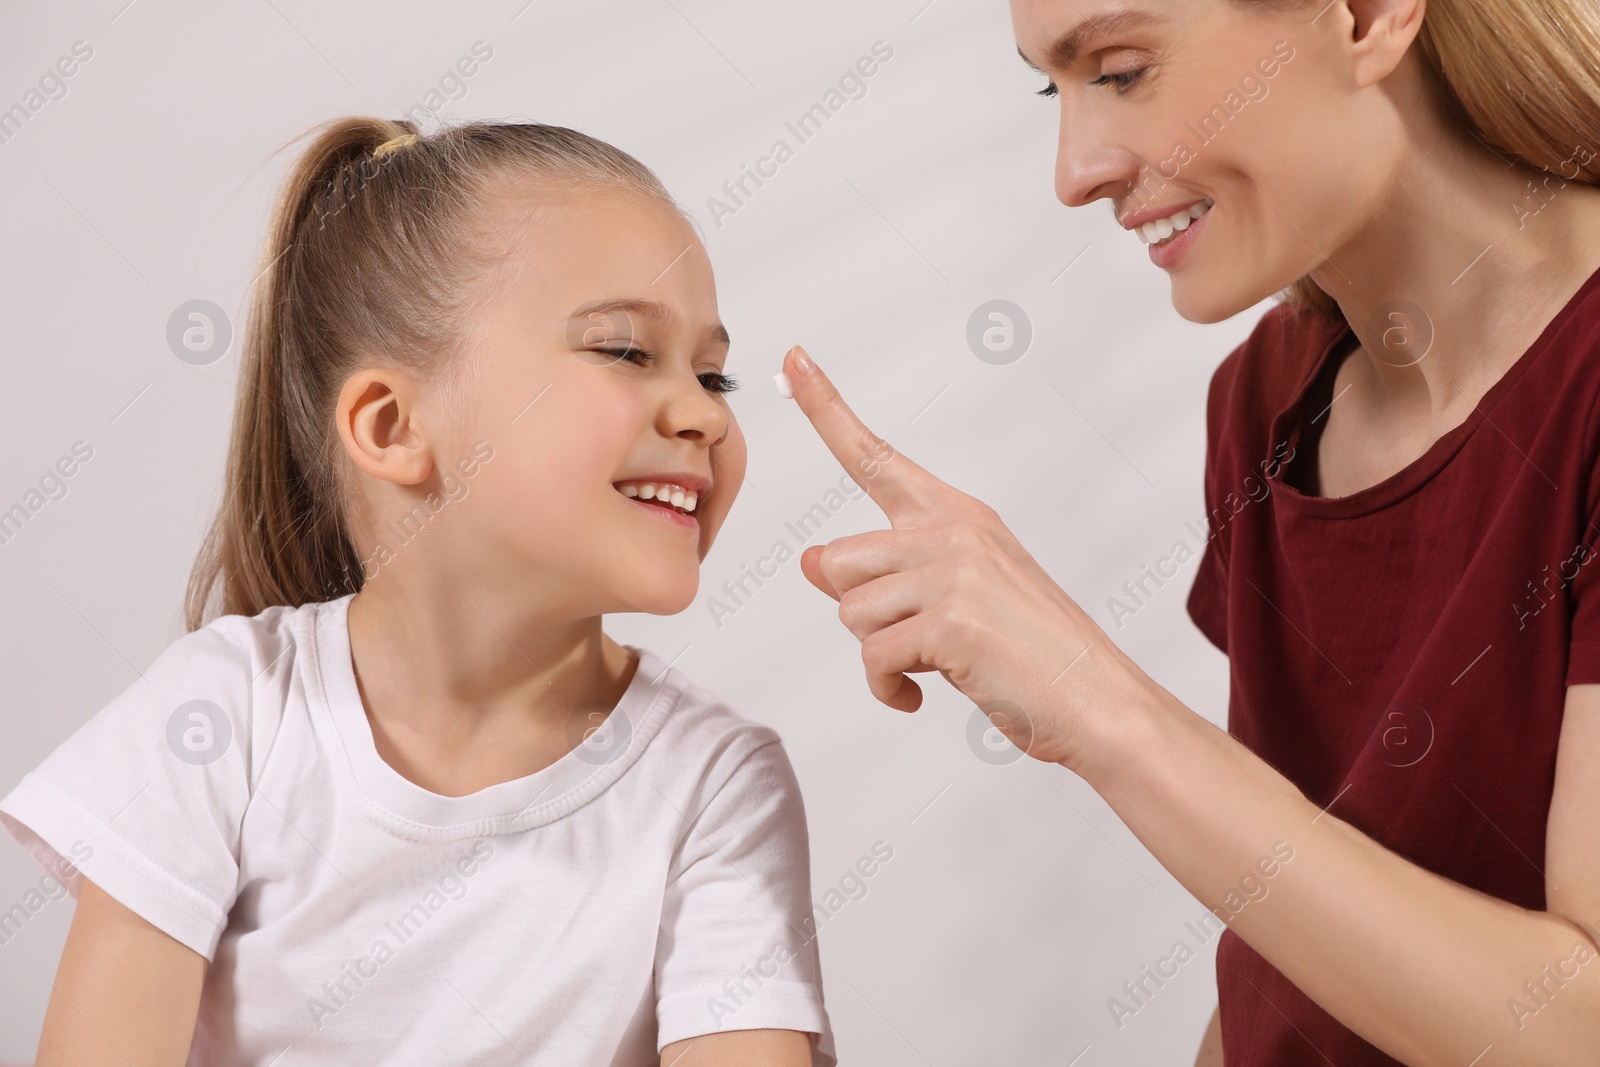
{"x": 741, "y": 1048}
{"x": 1210, "y": 1054}
{"x": 1420, "y": 966}
{"x": 125, "y": 992}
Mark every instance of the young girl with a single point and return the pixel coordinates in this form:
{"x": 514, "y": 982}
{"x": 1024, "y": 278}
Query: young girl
{"x": 442, "y": 817}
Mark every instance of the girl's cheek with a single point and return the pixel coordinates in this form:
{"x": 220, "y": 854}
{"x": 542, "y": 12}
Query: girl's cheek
{"x": 732, "y": 453}
{"x": 730, "y": 460}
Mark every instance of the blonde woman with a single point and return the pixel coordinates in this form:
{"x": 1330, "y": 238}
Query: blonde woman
{"x": 1403, "y": 484}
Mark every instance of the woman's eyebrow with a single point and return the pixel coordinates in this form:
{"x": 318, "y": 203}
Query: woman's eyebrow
{"x": 1061, "y": 55}
{"x": 654, "y": 310}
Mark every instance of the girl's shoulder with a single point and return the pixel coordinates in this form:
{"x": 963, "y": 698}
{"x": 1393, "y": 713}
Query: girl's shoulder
{"x": 700, "y": 710}
{"x": 219, "y": 688}
{"x": 701, "y": 731}
{"x": 237, "y": 673}
{"x": 147, "y": 796}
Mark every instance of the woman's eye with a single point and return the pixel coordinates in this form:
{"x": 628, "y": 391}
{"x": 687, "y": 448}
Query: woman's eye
{"x": 718, "y": 382}
{"x": 1123, "y": 82}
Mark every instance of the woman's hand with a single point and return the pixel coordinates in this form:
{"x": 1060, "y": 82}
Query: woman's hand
{"x": 948, "y": 588}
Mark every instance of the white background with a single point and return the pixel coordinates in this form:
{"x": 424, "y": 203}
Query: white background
{"x": 1016, "y": 903}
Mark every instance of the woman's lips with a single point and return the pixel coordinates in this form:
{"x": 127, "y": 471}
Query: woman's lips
{"x": 1167, "y": 253}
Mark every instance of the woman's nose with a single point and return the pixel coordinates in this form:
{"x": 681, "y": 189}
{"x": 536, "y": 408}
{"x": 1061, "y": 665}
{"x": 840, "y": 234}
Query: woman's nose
{"x": 1089, "y": 166}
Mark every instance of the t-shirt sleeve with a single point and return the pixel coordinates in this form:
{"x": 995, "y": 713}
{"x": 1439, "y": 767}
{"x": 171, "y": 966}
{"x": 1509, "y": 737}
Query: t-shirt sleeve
{"x": 737, "y": 947}
{"x": 1208, "y": 597}
{"x": 146, "y": 798}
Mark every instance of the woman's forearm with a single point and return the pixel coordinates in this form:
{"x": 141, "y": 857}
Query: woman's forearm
{"x": 1420, "y": 966}
{"x": 1210, "y": 1054}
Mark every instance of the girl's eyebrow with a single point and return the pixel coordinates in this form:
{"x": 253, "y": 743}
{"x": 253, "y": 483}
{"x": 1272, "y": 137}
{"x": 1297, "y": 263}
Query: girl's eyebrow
{"x": 715, "y": 334}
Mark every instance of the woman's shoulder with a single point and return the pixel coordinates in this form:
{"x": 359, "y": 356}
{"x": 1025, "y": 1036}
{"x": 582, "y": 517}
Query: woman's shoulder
{"x": 1269, "y": 364}
{"x": 1261, "y": 375}
{"x": 1575, "y": 332}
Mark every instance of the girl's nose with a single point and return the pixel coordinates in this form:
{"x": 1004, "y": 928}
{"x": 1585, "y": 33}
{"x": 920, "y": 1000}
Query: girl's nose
{"x": 688, "y": 410}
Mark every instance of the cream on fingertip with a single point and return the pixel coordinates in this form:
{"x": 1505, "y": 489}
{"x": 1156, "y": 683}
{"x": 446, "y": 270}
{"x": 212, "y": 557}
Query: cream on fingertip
{"x": 785, "y": 390}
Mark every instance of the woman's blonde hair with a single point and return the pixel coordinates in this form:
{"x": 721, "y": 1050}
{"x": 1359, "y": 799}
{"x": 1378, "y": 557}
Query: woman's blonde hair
{"x": 369, "y": 252}
{"x": 1520, "y": 76}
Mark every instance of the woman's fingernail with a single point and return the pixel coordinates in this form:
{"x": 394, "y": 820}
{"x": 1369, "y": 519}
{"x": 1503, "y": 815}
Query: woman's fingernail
{"x": 802, "y": 362}
{"x": 785, "y": 390}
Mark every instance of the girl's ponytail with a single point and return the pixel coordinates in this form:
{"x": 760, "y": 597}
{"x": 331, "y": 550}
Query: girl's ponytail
{"x": 273, "y": 541}
{"x": 368, "y": 259}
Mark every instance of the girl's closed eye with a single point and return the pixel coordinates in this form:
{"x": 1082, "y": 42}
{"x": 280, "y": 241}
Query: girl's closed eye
{"x": 631, "y": 353}
{"x": 714, "y": 381}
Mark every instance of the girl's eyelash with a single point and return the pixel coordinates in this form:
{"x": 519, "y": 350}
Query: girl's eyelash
{"x": 1122, "y": 82}
{"x": 715, "y": 381}
{"x": 719, "y": 383}
{"x": 632, "y": 353}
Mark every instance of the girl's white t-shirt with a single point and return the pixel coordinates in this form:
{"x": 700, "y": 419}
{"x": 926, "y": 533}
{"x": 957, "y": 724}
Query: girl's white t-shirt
{"x": 651, "y": 885}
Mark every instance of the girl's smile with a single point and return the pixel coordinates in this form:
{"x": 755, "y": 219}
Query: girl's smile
{"x": 673, "y": 497}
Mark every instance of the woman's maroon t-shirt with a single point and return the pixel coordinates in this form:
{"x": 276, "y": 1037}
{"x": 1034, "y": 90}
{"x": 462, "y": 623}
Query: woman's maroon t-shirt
{"x": 1402, "y": 653}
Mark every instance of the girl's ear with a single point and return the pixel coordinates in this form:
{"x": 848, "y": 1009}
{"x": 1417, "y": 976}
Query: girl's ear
{"x": 378, "y": 422}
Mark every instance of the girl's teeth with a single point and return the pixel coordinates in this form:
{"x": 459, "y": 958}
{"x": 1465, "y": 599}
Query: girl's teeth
{"x": 675, "y": 495}
{"x": 1177, "y": 222}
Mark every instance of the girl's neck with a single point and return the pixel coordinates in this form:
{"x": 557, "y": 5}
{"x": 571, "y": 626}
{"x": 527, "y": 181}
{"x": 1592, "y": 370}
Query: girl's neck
{"x": 468, "y": 688}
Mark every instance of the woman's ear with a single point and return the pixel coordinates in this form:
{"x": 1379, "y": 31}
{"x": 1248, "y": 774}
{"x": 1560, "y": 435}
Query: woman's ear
{"x": 1382, "y": 35}
{"x": 378, "y": 419}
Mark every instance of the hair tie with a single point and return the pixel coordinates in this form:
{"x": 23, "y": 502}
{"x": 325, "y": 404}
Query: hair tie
{"x": 394, "y": 143}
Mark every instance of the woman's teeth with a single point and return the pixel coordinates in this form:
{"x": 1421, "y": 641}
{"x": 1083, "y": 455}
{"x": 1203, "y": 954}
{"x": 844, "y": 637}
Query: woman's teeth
{"x": 675, "y": 495}
{"x": 1161, "y": 229}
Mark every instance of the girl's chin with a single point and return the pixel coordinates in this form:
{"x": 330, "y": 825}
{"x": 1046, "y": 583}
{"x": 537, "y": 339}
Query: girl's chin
{"x": 661, "y": 598}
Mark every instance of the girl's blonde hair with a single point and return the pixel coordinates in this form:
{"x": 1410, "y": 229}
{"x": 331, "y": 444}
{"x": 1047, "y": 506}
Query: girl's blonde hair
{"x": 369, "y": 254}
{"x": 1520, "y": 76}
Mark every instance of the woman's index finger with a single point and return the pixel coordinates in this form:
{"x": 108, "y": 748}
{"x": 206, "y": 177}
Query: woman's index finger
{"x": 902, "y": 489}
